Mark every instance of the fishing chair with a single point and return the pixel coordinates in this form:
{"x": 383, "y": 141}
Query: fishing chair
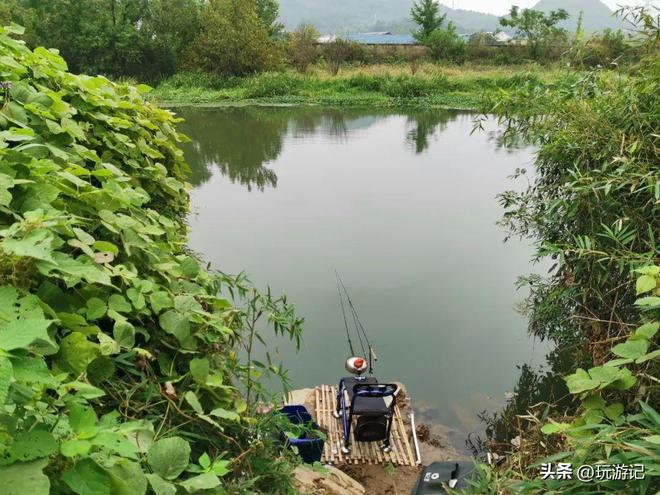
{"x": 372, "y": 403}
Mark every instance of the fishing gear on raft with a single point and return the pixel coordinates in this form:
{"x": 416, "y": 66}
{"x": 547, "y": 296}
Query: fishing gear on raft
{"x": 363, "y": 397}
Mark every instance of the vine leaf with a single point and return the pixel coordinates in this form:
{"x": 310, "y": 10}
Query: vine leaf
{"x": 23, "y": 478}
{"x": 169, "y": 457}
{"x": 19, "y": 334}
{"x": 87, "y": 478}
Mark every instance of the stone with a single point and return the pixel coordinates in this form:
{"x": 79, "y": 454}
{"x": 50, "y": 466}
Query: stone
{"x": 326, "y": 481}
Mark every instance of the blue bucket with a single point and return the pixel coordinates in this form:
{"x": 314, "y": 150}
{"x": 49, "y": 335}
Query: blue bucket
{"x": 309, "y": 449}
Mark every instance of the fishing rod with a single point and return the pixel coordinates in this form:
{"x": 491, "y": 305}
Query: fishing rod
{"x": 359, "y": 327}
{"x": 343, "y": 312}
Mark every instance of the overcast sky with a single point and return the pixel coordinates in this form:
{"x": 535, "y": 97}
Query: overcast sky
{"x": 500, "y": 7}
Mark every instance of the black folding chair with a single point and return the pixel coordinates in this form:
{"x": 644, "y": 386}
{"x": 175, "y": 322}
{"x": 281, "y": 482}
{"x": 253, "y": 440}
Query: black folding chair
{"x": 372, "y": 403}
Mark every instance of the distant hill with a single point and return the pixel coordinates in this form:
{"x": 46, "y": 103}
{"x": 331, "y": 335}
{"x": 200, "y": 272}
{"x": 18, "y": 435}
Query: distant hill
{"x": 597, "y": 15}
{"x": 349, "y": 15}
{"x": 343, "y": 16}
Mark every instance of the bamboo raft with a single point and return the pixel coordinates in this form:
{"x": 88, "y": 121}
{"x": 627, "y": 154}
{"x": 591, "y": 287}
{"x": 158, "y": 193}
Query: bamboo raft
{"x": 325, "y": 397}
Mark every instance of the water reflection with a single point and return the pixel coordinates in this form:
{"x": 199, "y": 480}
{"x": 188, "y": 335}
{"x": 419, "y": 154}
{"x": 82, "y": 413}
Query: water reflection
{"x": 404, "y": 205}
{"x": 241, "y": 141}
{"x": 425, "y": 124}
{"x": 536, "y": 391}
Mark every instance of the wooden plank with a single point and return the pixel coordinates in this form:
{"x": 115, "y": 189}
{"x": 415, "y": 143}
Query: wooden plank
{"x": 396, "y": 440}
{"x": 400, "y": 459}
{"x": 326, "y": 424}
{"x": 332, "y": 423}
{"x": 336, "y": 426}
{"x": 411, "y": 457}
{"x": 336, "y": 422}
{"x": 336, "y": 437}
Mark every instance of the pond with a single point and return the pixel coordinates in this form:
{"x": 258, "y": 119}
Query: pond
{"x": 403, "y": 204}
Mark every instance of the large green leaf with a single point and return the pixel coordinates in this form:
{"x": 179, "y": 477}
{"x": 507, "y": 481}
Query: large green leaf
{"x": 37, "y": 244}
{"x": 6, "y": 183}
{"x": 648, "y": 330}
{"x": 76, "y": 352}
{"x": 127, "y": 478}
{"x": 124, "y": 334}
{"x": 20, "y": 334}
{"x": 580, "y": 382}
{"x": 169, "y": 457}
{"x": 160, "y": 300}
{"x": 75, "y": 270}
{"x": 118, "y": 303}
{"x": 24, "y": 478}
{"x": 75, "y": 448}
{"x": 160, "y": 486}
{"x": 631, "y": 349}
{"x": 31, "y": 445}
{"x": 83, "y": 420}
{"x": 204, "y": 481}
{"x": 96, "y": 308}
{"x": 199, "y": 369}
{"x": 101, "y": 369}
{"x": 645, "y": 283}
{"x": 87, "y": 478}
{"x": 175, "y": 323}
{"x": 624, "y": 380}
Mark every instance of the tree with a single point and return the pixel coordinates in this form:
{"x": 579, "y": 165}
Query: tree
{"x": 93, "y": 36}
{"x": 232, "y": 40}
{"x": 335, "y": 54}
{"x": 302, "y": 47}
{"x": 536, "y": 27}
{"x": 446, "y": 44}
{"x": 426, "y": 14}
{"x": 6, "y": 12}
{"x": 169, "y": 27}
{"x": 579, "y": 30}
{"x": 268, "y": 12}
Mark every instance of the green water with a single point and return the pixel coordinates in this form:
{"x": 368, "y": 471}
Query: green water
{"x": 403, "y": 205}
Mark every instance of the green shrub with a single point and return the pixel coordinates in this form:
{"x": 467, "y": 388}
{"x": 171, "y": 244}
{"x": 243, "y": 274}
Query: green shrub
{"x": 232, "y": 40}
{"x": 274, "y": 84}
{"x": 591, "y": 207}
{"x": 366, "y": 82}
{"x": 612, "y": 425}
{"x": 446, "y": 44}
{"x": 119, "y": 361}
{"x": 406, "y": 87}
{"x": 301, "y": 47}
{"x": 199, "y": 79}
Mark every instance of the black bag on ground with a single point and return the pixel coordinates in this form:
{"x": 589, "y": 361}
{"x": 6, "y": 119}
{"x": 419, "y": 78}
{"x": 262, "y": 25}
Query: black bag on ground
{"x": 434, "y": 478}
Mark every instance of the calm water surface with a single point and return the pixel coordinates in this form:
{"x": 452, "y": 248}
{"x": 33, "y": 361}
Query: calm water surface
{"x": 404, "y": 206}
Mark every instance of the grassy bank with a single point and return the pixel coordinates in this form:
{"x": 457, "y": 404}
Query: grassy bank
{"x": 459, "y": 87}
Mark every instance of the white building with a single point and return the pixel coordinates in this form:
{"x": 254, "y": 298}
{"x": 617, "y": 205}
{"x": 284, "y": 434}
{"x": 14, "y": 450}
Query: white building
{"x": 502, "y": 37}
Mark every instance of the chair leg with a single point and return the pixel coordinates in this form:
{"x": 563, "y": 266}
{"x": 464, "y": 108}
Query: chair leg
{"x": 346, "y": 447}
{"x": 337, "y": 412}
{"x": 386, "y": 443}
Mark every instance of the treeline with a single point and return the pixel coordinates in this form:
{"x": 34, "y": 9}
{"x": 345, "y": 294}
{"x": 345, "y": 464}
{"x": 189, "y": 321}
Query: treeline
{"x": 151, "y": 39}
{"x": 538, "y": 38}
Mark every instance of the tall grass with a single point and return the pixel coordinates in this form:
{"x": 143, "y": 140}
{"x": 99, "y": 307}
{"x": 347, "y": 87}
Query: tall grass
{"x": 389, "y": 84}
